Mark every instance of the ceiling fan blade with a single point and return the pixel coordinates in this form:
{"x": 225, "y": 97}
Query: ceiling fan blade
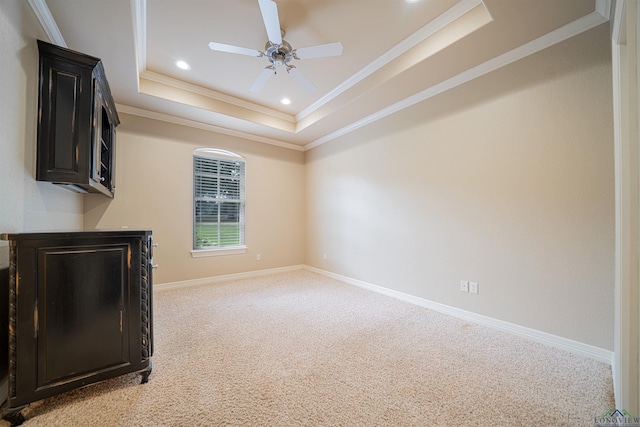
{"x": 262, "y": 79}
{"x": 234, "y": 49}
{"x": 269, "y": 11}
{"x": 319, "y": 51}
{"x": 302, "y": 80}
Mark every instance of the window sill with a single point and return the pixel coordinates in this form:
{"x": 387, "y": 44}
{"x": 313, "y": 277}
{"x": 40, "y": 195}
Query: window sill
{"x": 233, "y": 250}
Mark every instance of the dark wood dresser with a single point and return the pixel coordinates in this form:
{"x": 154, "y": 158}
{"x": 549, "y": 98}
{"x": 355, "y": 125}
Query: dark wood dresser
{"x": 79, "y": 312}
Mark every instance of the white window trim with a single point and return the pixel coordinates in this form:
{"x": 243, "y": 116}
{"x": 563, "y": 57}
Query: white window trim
{"x": 218, "y": 154}
{"x": 232, "y": 250}
{"x": 227, "y": 250}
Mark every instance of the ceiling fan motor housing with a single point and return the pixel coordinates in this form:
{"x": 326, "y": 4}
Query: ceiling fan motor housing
{"x": 278, "y": 51}
{"x": 279, "y": 54}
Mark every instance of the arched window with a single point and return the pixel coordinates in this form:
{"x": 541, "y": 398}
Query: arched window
{"x": 218, "y": 202}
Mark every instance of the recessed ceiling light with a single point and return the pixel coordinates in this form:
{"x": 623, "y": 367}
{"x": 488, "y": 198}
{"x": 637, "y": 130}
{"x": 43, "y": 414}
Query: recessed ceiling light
{"x": 183, "y": 65}
{"x": 411, "y": 1}
{"x": 285, "y": 101}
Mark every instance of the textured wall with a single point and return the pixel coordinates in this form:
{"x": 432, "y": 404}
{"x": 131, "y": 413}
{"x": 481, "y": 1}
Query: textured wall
{"x": 507, "y": 180}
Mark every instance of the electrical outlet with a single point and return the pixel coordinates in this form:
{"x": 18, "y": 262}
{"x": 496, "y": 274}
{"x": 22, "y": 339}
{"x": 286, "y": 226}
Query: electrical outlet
{"x": 324, "y": 257}
{"x": 464, "y": 286}
{"x": 473, "y": 287}
{"x": 258, "y": 257}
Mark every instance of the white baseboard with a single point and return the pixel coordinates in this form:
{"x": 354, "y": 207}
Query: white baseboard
{"x": 575, "y": 347}
{"x": 224, "y": 278}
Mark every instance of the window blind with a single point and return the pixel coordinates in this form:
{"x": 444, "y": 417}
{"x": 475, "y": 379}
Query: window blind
{"x": 219, "y": 202}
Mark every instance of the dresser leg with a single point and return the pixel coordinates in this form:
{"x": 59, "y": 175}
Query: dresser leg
{"x": 14, "y": 416}
{"x": 145, "y": 375}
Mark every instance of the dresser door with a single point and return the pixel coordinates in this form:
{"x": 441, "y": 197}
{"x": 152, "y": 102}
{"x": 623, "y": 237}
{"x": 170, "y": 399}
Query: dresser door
{"x": 81, "y": 313}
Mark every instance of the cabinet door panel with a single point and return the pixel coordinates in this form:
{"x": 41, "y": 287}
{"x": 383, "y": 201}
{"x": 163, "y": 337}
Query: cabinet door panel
{"x": 83, "y": 301}
{"x": 79, "y": 311}
{"x": 62, "y": 140}
{"x": 65, "y": 89}
{"x": 76, "y": 121}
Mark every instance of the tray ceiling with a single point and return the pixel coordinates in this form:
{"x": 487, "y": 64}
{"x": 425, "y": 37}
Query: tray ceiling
{"x": 395, "y": 54}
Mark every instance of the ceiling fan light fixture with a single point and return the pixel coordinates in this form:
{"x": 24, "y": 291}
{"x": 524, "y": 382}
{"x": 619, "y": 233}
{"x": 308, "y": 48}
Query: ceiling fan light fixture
{"x": 278, "y": 51}
{"x": 279, "y": 55}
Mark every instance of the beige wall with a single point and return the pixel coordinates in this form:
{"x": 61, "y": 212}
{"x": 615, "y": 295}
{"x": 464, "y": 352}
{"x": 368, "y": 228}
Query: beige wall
{"x": 25, "y": 204}
{"x": 154, "y": 190}
{"x": 507, "y": 180}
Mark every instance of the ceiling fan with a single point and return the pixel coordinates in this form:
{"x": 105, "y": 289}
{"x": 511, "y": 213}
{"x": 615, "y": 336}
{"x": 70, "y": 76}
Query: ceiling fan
{"x": 278, "y": 51}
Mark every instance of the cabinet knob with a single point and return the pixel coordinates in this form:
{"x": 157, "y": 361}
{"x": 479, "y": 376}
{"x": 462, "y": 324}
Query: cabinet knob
{"x": 155, "y": 245}
{"x": 154, "y": 266}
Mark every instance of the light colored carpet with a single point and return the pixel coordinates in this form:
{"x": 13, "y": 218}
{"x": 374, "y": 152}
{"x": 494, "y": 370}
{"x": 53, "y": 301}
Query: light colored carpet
{"x": 299, "y": 349}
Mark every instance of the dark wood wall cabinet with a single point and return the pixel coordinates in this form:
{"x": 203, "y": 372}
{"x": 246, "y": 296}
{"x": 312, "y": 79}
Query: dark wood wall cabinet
{"x": 80, "y": 312}
{"x": 77, "y": 122}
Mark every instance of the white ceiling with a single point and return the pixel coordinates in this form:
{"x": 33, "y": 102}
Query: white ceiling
{"x": 395, "y": 54}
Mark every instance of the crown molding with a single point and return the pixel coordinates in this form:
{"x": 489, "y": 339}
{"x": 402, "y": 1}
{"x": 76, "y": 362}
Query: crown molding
{"x": 209, "y": 93}
{"x": 140, "y": 112}
{"x": 452, "y": 14}
{"x": 561, "y": 34}
{"x": 139, "y": 12}
{"x": 47, "y": 22}
{"x": 139, "y": 16}
{"x": 600, "y": 15}
{"x": 603, "y": 7}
